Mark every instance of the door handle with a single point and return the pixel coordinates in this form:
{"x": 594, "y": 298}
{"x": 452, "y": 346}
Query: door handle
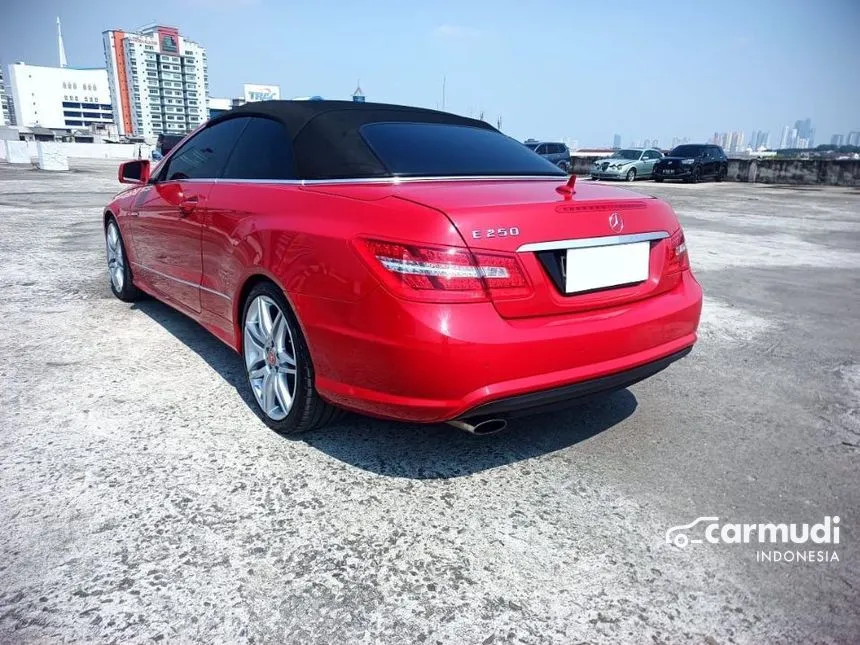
{"x": 186, "y": 206}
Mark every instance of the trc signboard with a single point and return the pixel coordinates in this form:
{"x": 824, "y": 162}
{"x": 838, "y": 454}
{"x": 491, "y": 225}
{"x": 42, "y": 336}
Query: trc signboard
{"x": 261, "y": 92}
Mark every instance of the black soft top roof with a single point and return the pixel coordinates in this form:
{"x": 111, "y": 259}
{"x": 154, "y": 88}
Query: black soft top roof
{"x": 325, "y": 134}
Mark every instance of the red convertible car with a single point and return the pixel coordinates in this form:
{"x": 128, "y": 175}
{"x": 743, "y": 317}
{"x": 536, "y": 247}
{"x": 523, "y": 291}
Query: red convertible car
{"x": 402, "y": 263}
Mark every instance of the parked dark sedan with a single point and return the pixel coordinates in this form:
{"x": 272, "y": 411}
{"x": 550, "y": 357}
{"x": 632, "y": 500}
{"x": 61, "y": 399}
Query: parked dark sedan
{"x": 692, "y": 162}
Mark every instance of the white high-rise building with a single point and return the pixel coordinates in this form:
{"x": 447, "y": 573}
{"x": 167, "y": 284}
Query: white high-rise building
{"x": 158, "y": 81}
{"x": 4, "y": 115}
{"x": 60, "y": 97}
{"x": 784, "y": 137}
{"x": 63, "y": 97}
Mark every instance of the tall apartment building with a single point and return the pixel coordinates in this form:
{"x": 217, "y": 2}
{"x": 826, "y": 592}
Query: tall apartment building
{"x": 4, "y": 115}
{"x": 805, "y": 131}
{"x": 158, "y": 81}
{"x": 783, "y": 138}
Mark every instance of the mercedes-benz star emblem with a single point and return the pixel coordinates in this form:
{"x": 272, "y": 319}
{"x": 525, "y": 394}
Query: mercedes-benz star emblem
{"x": 616, "y": 223}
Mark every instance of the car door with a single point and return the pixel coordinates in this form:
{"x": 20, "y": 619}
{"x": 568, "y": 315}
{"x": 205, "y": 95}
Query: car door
{"x": 258, "y": 178}
{"x": 166, "y": 221}
{"x": 722, "y": 165}
{"x": 709, "y": 162}
{"x": 649, "y": 158}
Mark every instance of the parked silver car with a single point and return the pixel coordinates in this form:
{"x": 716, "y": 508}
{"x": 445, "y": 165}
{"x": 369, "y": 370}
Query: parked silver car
{"x": 629, "y": 164}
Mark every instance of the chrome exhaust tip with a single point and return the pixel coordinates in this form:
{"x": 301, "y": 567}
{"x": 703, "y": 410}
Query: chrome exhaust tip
{"x": 479, "y": 426}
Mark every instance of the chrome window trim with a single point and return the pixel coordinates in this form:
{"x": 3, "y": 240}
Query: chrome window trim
{"x": 185, "y": 282}
{"x": 381, "y": 180}
{"x": 590, "y": 242}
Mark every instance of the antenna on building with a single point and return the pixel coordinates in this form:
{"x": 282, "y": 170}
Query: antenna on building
{"x": 443, "y": 92}
{"x": 63, "y": 62}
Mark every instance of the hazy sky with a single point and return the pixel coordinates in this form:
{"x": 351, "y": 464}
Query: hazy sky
{"x": 551, "y": 69}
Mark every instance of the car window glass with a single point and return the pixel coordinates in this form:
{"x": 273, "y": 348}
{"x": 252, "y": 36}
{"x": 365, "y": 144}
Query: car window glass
{"x": 264, "y": 151}
{"x": 541, "y": 149}
{"x": 688, "y": 150}
{"x": 441, "y": 149}
{"x": 204, "y": 155}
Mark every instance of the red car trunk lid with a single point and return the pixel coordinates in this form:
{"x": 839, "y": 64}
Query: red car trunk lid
{"x": 507, "y": 215}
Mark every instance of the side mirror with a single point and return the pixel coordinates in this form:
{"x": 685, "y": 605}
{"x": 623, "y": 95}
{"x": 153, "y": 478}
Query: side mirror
{"x": 134, "y": 172}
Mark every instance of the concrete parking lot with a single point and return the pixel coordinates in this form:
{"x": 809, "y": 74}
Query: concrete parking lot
{"x": 142, "y": 499}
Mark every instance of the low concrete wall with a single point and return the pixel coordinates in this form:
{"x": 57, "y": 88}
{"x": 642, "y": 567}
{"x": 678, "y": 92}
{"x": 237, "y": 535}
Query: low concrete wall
{"x": 581, "y": 165}
{"x": 16, "y": 152}
{"x": 123, "y": 151}
{"x": 51, "y": 157}
{"x": 830, "y": 172}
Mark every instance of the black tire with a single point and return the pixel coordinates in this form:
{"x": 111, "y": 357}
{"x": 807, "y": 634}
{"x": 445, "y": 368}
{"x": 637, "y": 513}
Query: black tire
{"x": 659, "y": 180}
{"x": 595, "y": 178}
{"x": 631, "y": 175}
{"x": 721, "y": 174}
{"x": 121, "y": 285}
{"x": 694, "y": 177}
{"x": 308, "y": 410}
{"x": 563, "y": 165}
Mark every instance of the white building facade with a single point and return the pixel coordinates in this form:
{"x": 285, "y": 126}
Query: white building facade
{"x": 158, "y": 81}
{"x": 4, "y": 115}
{"x": 60, "y": 97}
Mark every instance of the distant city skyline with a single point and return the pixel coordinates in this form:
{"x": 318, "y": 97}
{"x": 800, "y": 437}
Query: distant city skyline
{"x": 477, "y": 47}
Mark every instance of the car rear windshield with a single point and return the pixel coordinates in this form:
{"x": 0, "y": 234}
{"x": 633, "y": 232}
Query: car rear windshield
{"x": 442, "y": 150}
{"x": 687, "y": 151}
{"x": 627, "y": 154}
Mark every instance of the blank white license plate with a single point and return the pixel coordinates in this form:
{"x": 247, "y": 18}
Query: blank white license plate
{"x": 606, "y": 266}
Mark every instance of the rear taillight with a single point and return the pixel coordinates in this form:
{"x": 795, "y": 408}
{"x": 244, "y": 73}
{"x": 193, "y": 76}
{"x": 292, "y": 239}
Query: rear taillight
{"x": 445, "y": 273}
{"x": 677, "y": 258}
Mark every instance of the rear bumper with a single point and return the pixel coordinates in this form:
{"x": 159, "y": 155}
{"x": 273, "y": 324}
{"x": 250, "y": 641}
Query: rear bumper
{"x": 431, "y": 362}
{"x": 678, "y": 173}
{"x": 560, "y": 397}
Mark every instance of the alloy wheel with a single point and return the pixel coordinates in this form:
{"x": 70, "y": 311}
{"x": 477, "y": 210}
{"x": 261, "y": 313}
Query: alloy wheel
{"x": 115, "y": 258}
{"x": 270, "y": 357}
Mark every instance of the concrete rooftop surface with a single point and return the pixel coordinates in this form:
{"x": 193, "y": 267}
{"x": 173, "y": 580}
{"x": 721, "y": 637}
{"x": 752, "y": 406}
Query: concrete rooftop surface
{"x": 143, "y": 500}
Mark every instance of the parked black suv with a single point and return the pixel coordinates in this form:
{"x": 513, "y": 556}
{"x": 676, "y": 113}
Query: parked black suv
{"x": 692, "y": 162}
